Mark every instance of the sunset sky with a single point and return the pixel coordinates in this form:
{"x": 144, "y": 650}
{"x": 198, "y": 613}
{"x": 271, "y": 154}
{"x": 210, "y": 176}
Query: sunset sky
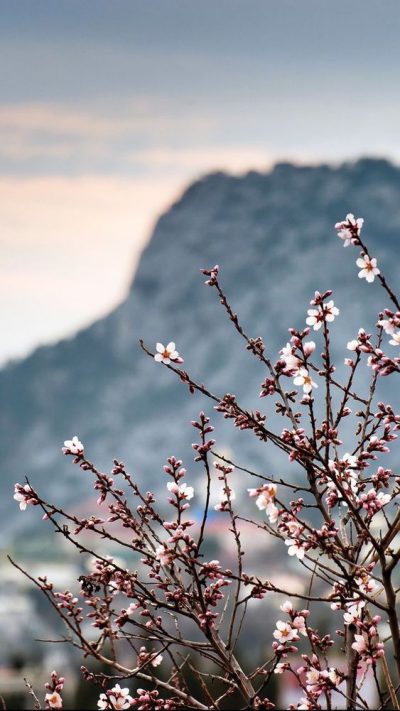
{"x": 108, "y": 109}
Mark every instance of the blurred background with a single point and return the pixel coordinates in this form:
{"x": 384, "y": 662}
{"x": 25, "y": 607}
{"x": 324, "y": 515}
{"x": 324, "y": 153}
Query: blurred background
{"x": 139, "y": 142}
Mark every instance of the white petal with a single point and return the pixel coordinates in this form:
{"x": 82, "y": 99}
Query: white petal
{"x": 171, "y": 346}
{"x": 160, "y": 348}
{"x": 158, "y": 357}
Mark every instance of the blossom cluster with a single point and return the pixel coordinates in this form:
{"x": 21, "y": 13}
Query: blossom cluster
{"x": 173, "y": 611}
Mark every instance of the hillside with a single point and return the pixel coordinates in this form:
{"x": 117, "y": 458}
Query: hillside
{"x": 273, "y": 236}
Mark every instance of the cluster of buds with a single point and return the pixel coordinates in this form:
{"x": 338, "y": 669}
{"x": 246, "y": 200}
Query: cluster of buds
{"x": 349, "y": 229}
{"x": 373, "y": 502}
{"x": 25, "y": 496}
{"x": 151, "y": 701}
{"x": 382, "y": 364}
{"x": 212, "y": 273}
{"x": 116, "y": 698}
{"x": 205, "y": 445}
{"x": 70, "y": 604}
{"x": 366, "y": 642}
{"x": 242, "y": 420}
{"x": 53, "y": 699}
{"x": 318, "y": 680}
{"x": 325, "y": 312}
{"x": 73, "y": 447}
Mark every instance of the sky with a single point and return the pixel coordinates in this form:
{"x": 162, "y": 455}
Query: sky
{"x": 108, "y": 109}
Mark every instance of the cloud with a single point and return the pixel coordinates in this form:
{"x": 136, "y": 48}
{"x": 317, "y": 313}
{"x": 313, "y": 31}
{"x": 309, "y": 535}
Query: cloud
{"x": 68, "y": 250}
{"x": 52, "y": 130}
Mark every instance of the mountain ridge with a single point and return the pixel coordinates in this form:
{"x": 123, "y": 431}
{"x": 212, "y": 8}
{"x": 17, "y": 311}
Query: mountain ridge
{"x": 272, "y": 233}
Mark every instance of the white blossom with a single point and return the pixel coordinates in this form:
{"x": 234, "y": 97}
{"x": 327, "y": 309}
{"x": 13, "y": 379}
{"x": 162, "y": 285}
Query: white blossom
{"x": 312, "y": 676}
{"x": 353, "y": 612}
{"x": 395, "y": 339}
{"x": 299, "y": 623}
{"x": 327, "y": 312}
{"x": 280, "y": 668}
{"x": 304, "y": 378}
{"x": 164, "y": 555}
{"x": 368, "y": 268}
{"x": 54, "y": 700}
{"x": 360, "y": 644}
{"x": 309, "y": 348}
{"x": 73, "y": 446}
{"x": 156, "y": 661}
{"x": 296, "y": 548}
{"x": 116, "y": 698}
{"x": 284, "y": 632}
{"x": 286, "y": 607}
{"x": 22, "y": 495}
{"x": 291, "y": 361}
{"x": 166, "y": 353}
{"x": 183, "y": 491}
{"x": 224, "y": 501}
{"x": 272, "y": 512}
{"x": 349, "y": 229}
{"x": 387, "y": 325}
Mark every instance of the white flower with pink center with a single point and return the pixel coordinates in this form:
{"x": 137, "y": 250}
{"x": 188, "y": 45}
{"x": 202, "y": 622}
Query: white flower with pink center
{"x": 284, "y": 632}
{"x": 326, "y": 312}
{"x": 368, "y": 268}
{"x": 304, "y": 379}
{"x": 167, "y": 353}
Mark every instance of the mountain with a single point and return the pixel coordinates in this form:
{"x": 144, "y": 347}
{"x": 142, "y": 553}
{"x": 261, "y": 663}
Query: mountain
{"x": 273, "y": 236}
